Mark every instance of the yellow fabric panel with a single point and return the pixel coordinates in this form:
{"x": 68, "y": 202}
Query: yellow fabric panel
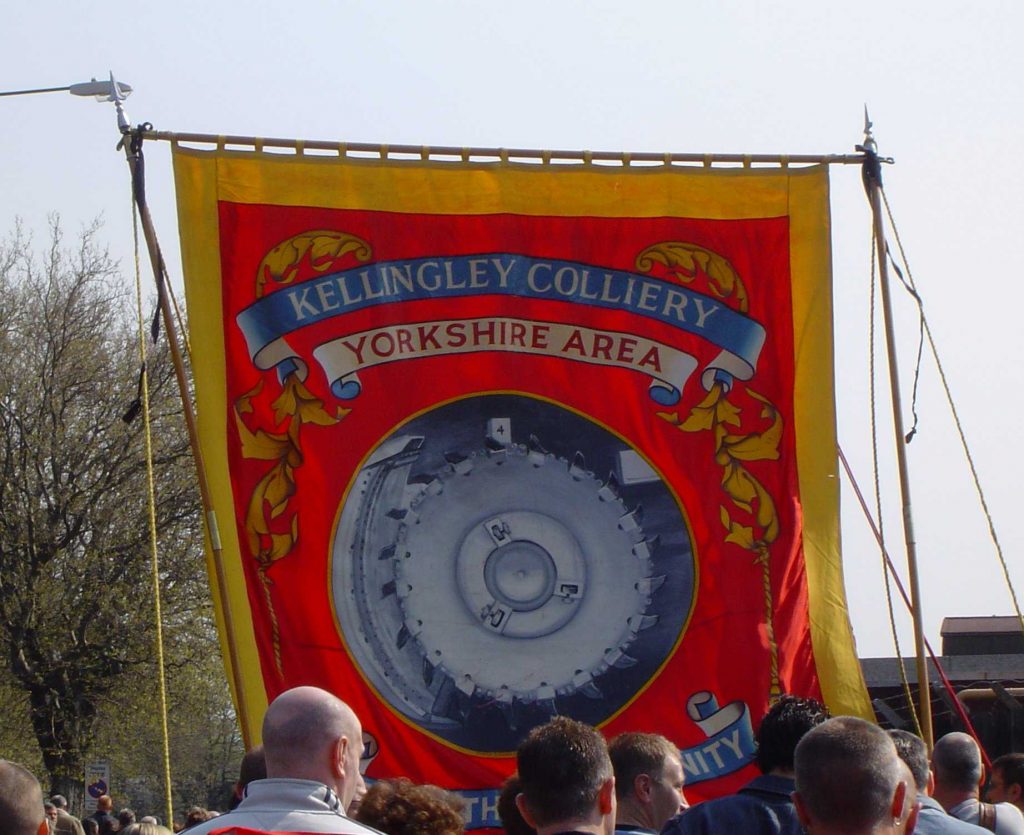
{"x": 441, "y": 187}
{"x": 842, "y": 682}
{"x": 196, "y": 183}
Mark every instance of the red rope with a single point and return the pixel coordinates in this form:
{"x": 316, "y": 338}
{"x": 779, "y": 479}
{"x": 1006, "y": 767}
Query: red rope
{"x": 906, "y": 599}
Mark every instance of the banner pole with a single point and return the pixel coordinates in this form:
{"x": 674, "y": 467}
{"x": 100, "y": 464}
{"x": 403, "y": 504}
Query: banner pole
{"x": 132, "y": 142}
{"x": 872, "y": 173}
{"x": 454, "y": 154}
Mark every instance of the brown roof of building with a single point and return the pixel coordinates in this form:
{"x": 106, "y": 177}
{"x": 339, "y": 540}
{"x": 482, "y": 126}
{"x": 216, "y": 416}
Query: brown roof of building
{"x": 980, "y": 625}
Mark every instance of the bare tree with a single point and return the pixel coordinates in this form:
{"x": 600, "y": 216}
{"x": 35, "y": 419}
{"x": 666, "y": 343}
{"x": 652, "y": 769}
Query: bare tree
{"x": 76, "y": 615}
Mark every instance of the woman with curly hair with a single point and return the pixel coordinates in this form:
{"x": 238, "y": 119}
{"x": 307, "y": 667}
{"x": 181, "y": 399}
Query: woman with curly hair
{"x": 400, "y": 807}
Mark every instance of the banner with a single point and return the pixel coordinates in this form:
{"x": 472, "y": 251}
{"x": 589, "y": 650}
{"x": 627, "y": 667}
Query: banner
{"x": 491, "y": 442}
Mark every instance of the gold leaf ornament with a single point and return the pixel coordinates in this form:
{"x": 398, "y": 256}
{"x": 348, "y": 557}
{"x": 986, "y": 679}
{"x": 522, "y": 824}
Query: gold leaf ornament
{"x": 243, "y": 405}
{"x": 322, "y": 249}
{"x": 259, "y": 444}
{"x": 293, "y": 407}
{"x": 739, "y": 486}
{"x": 687, "y": 261}
{"x": 272, "y": 536}
{"x": 718, "y": 414}
{"x": 702, "y": 416}
{"x": 296, "y": 401}
{"x": 757, "y": 446}
{"x": 700, "y": 419}
{"x": 741, "y": 535}
{"x": 766, "y": 515}
{"x": 723, "y": 514}
{"x": 745, "y": 492}
{"x": 271, "y": 494}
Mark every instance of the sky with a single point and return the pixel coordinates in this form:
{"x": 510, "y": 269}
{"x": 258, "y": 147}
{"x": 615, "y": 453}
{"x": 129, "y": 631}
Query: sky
{"x": 943, "y": 81}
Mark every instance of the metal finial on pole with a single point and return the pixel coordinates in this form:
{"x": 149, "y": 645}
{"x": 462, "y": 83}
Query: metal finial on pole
{"x": 872, "y": 175}
{"x": 869, "y": 140}
{"x": 116, "y": 93}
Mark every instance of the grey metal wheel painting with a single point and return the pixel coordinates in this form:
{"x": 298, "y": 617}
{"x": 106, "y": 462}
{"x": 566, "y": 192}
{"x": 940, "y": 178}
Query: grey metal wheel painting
{"x": 500, "y": 559}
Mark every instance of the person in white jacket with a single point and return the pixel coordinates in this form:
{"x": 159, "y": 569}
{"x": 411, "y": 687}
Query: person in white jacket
{"x": 312, "y": 742}
{"x": 959, "y": 776}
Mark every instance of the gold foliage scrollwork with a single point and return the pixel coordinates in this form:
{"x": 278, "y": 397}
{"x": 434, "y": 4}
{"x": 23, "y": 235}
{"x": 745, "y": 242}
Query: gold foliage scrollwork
{"x": 271, "y": 530}
{"x": 686, "y": 262}
{"x": 319, "y": 250}
{"x": 271, "y": 536}
{"x": 749, "y": 517}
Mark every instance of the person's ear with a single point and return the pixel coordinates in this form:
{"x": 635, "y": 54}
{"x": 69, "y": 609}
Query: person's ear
{"x": 1013, "y": 793}
{"x": 642, "y": 784}
{"x": 44, "y": 828}
{"x": 606, "y": 797}
{"x": 984, "y": 776}
{"x": 338, "y": 751}
{"x": 898, "y": 811}
{"x": 801, "y": 810}
{"x": 930, "y": 789}
{"x": 524, "y": 810}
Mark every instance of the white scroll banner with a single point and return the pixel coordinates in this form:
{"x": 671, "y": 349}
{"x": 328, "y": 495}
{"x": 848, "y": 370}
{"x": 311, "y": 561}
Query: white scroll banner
{"x": 342, "y": 358}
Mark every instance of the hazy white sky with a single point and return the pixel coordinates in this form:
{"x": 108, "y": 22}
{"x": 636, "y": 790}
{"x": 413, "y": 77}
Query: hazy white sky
{"x": 943, "y": 81}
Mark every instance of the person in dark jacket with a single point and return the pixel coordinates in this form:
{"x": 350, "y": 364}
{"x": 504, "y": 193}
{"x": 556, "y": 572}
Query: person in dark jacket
{"x": 763, "y": 806}
{"x": 104, "y": 817}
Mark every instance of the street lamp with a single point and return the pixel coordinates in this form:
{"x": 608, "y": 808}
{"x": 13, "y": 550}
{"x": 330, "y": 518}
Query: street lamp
{"x": 110, "y": 90}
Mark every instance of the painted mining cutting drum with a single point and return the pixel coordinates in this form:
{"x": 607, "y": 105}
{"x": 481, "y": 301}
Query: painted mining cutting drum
{"x": 485, "y": 577}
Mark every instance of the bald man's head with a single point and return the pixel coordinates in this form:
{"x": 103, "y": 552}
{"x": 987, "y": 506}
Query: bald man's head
{"x": 956, "y": 763}
{"x": 21, "y": 801}
{"x": 310, "y": 734}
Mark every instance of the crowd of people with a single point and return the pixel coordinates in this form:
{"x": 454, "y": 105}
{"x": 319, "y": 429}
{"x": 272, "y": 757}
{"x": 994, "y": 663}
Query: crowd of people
{"x": 819, "y": 775}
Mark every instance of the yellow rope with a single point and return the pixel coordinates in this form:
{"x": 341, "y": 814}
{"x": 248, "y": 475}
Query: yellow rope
{"x": 956, "y": 421}
{"x": 157, "y": 614}
{"x": 886, "y": 564}
{"x": 775, "y": 686}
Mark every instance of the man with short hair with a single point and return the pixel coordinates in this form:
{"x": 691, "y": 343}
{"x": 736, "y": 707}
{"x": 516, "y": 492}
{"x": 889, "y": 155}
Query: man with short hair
{"x": 125, "y": 818}
{"x": 849, "y": 780}
{"x": 51, "y": 816}
{"x": 508, "y": 811}
{"x": 648, "y": 782}
{"x": 566, "y": 779}
{"x": 932, "y": 818}
{"x": 21, "y": 801}
{"x": 67, "y": 824}
{"x": 764, "y": 805}
{"x": 103, "y": 816}
{"x": 253, "y": 767}
{"x": 959, "y": 775}
{"x": 311, "y": 744}
{"x": 1006, "y": 784}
